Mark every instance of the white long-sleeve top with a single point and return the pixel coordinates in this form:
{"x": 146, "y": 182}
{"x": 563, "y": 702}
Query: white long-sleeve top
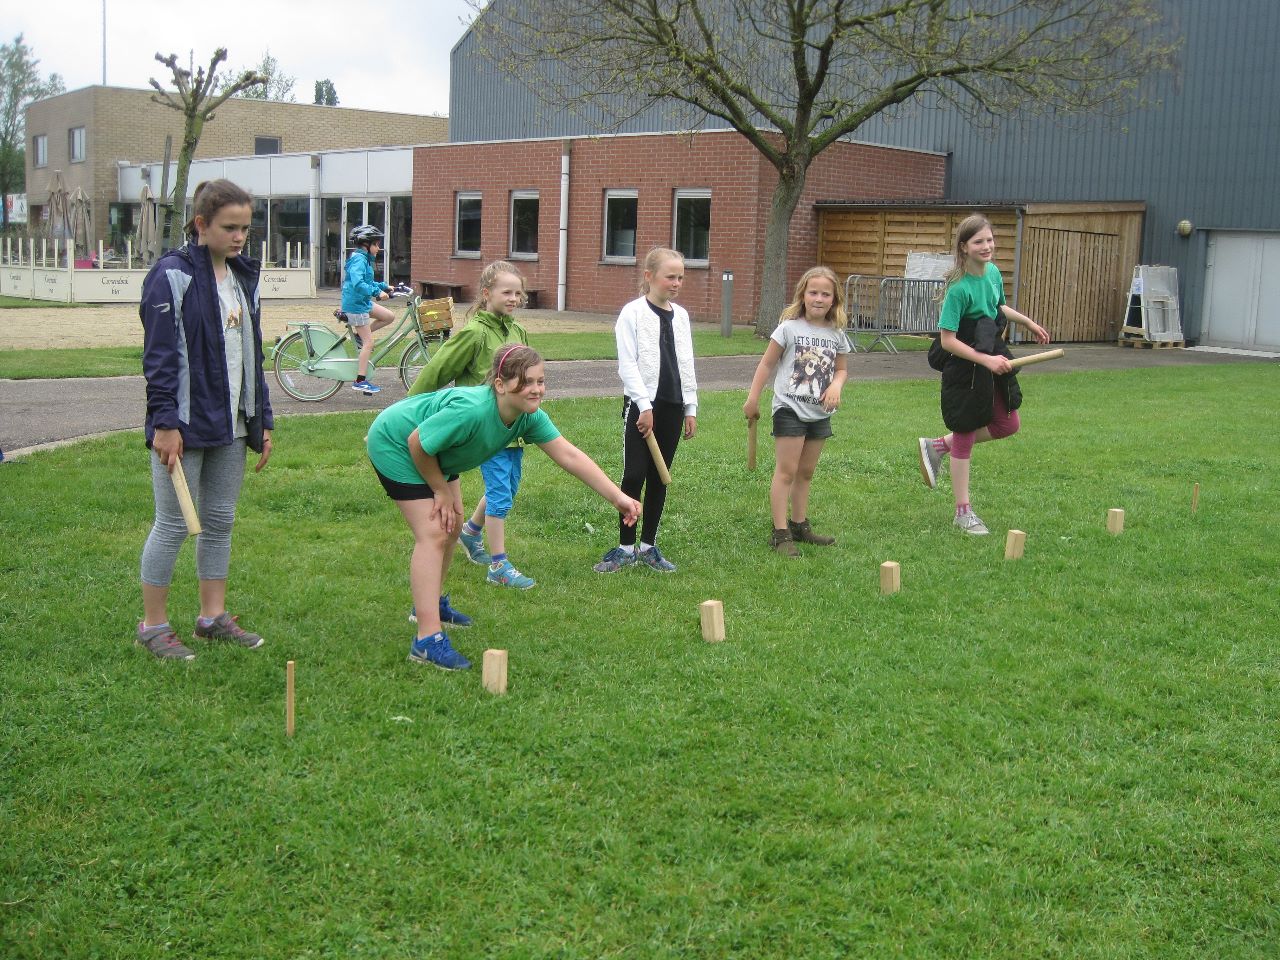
{"x": 639, "y": 355}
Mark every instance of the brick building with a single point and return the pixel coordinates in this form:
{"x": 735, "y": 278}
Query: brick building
{"x": 706, "y": 194}
{"x": 88, "y": 134}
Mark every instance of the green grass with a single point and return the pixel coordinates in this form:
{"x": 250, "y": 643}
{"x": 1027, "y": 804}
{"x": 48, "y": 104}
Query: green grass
{"x": 1073, "y": 755}
{"x": 21, "y": 303}
{"x": 26, "y": 364}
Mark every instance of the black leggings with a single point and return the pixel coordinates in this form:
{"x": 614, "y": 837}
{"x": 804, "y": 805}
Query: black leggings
{"x": 638, "y": 469}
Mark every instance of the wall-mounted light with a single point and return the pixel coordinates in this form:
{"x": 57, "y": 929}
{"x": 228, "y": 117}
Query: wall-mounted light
{"x": 1185, "y": 228}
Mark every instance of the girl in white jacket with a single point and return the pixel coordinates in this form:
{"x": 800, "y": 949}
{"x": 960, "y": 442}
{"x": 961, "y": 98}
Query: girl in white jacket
{"x": 660, "y": 396}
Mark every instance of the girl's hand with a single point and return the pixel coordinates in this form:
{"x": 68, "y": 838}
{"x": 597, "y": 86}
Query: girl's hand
{"x": 690, "y": 427}
{"x": 644, "y": 422}
{"x": 831, "y": 398}
{"x": 1037, "y": 331}
{"x": 630, "y": 509}
{"x": 266, "y": 451}
{"x": 445, "y": 509}
{"x": 168, "y": 446}
{"x": 751, "y": 409}
{"x": 996, "y": 365}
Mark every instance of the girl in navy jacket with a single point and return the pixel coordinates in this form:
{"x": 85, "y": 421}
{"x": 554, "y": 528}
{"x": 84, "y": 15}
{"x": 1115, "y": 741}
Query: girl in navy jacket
{"x": 207, "y": 402}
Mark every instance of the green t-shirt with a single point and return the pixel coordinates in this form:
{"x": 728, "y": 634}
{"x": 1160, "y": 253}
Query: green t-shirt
{"x": 460, "y": 427}
{"x": 971, "y": 297}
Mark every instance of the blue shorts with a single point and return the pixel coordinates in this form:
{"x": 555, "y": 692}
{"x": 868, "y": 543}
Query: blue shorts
{"x": 501, "y": 474}
{"x": 787, "y": 424}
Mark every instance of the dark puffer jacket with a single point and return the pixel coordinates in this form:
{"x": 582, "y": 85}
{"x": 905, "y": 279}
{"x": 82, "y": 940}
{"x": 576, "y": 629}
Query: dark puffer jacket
{"x": 968, "y": 388}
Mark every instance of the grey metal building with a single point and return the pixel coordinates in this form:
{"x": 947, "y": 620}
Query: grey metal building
{"x": 1204, "y": 151}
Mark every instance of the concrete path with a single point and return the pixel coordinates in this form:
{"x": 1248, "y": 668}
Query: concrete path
{"x": 38, "y": 413}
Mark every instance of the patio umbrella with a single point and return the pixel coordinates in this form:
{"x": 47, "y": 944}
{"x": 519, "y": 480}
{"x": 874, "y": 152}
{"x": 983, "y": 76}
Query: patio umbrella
{"x": 82, "y": 222}
{"x": 59, "y": 218}
{"x": 147, "y": 232}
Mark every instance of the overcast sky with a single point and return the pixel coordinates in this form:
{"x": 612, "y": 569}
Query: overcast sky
{"x": 380, "y": 54}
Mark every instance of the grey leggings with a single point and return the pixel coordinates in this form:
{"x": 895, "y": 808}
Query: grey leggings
{"x": 214, "y": 475}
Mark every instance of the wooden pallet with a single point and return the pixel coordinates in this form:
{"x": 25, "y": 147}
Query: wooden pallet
{"x": 1151, "y": 344}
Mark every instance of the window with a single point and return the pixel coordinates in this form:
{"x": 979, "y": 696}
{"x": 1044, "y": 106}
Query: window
{"x": 262, "y": 146}
{"x": 40, "y": 150}
{"x": 524, "y": 224}
{"x": 467, "y": 229}
{"x": 75, "y": 144}
{"x": 620, "y": 225}
{"x": 691, "y": 230}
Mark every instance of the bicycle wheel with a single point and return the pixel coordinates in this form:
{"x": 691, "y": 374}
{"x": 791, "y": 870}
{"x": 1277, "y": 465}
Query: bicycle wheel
{"x": 292, "y": 374}
{"x": 412, "y": 361}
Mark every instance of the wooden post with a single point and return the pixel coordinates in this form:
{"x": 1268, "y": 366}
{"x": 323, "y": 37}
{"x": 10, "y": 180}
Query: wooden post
{"x": 1195, "y": 498}
{"x": 890, "y": 577}
{"x": 494, "y": 671}
{"x": 751, "y": 444}
{"x": 1013, "y": 545}
{"x": 711, "y": 612}
{"x": 288, "y": 698}
{"x": 1115, "y": 521}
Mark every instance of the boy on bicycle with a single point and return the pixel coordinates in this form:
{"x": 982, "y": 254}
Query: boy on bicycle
{"x": 359, "y": 289}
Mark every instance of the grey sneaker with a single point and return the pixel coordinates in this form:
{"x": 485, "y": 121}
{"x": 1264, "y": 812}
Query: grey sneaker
{"x": 969, "y": 523}
{"x": 224, "y": 627}
{"x": 162, "y": 642}
{"x": 930, "y": 462}
{"x": 615, "y": 560}
{"x": 654, "y": 560}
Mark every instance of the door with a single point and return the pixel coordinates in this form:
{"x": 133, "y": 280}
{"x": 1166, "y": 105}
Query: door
{"x": 1242, "y": 291}
{"x": 356, "y": 213}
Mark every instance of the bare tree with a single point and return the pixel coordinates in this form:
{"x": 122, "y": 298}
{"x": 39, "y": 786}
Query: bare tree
{"x": 20, "y": 83}
{"x": 195, "y": 100}
{"x": 795, "y": 76}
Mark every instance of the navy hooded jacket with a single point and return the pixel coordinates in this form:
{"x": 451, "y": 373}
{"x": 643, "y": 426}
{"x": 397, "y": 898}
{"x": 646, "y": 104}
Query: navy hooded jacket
{"x": 183, "y": 353}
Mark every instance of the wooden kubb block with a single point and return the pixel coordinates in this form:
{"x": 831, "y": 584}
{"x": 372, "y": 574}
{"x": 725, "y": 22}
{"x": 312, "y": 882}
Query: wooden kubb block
{"x": 1013, "y": 544}
{"x": 1115, "y": 521}
{"x": 494, "y": 671}
{"x": 890, "y": 577}
{"x": 711, "y": 613}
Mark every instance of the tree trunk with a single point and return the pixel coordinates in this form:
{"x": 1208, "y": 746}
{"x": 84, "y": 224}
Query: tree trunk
{"x": 175, "y": 218}
{"x": 775, "y": 293}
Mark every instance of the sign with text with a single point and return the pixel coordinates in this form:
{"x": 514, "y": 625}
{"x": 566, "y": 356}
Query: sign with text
{"x": 107, "y": 286}
{"x": 282, "y": 283}
{"x": 15, "y": 281}
{"x": 51, "y": 285}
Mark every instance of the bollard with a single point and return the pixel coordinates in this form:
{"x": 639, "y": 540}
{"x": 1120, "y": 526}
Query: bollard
{"x": 726, "y": 304}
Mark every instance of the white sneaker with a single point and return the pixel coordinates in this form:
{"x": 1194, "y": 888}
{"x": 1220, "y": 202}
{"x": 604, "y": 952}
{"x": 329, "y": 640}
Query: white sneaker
{"x": 969, "y": 523}
{"x": 930, "y": 462}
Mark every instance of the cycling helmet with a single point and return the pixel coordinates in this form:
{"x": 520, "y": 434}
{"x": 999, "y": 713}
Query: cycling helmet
{"x": 365, "y": 234}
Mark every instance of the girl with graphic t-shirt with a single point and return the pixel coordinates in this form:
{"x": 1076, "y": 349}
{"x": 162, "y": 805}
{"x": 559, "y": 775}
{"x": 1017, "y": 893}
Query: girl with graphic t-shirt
{"x": 421, "y": 444}
{"x": 980, "y": 394}
{"x": 808, "y": 350}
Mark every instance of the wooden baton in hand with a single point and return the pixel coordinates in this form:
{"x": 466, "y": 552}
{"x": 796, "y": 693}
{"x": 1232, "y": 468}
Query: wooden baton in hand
{"x": 184, "y": 498}
{"x": 751, "y": 444}
{"x": 663, "y": 473}
{"x": 1017, "y": 362}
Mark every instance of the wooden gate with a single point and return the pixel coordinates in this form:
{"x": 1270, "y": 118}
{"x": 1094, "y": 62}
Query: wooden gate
{"x": 1068, "y": 283}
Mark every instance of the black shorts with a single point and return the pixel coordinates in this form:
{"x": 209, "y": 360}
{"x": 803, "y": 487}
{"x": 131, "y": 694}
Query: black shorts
{"x": 407, "y": 491}
{"x": 787, "y": 424}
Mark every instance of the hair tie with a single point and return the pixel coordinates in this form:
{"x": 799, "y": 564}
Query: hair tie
{"x": 503, "y": 358}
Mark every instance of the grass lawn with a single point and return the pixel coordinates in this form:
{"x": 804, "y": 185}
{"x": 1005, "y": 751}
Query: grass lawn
{"x": 27, "y": 364}
{"x": 1072, "y": 755}
{"x": 19, "y": 303}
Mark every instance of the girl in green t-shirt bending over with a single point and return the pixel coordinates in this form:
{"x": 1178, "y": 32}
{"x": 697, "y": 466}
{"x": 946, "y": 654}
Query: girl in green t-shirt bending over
{"x": 420, "y": 445}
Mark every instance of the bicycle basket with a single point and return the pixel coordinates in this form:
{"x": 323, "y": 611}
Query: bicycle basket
{"x": 434, "y": 315}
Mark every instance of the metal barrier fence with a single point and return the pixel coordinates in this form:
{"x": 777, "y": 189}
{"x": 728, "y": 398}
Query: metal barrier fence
{"x": 885, "y": 306}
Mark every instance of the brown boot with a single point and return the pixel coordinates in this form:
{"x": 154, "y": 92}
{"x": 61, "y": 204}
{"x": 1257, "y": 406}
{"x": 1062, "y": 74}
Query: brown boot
{"x": 780, "y": 541}
{"x": 804, "y": 534}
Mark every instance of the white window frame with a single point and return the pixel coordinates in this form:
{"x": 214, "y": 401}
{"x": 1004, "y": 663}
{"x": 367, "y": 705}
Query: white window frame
{"x": 618, "y": 194}
{"x": 690, "y": 193}
{"x": 511, "y": 239}
{"x": 40, "y": 150}
{"x": 74, "y": 155}
{"x": 458, "y": 199}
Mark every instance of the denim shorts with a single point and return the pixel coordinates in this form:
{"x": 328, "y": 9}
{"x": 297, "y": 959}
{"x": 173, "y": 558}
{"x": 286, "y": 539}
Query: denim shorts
{"x": 501, "y": 474}
{"x": 358, "y": 319}
{"x": 787, "y": 424}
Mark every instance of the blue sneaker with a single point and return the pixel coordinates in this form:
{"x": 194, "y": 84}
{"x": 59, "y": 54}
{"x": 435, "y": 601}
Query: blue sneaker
{"x": 437, "y": 651}
{"x": 656, "y": 561}
{"x": 503, "y": 574}
{"x": 474, "y": 545}
{"x": 367, "y": 387}
{"x": 615, "y": 560}
{"x": 455, "y": 618}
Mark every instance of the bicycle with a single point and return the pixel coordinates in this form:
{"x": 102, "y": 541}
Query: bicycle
{"x": 314, "y": 361}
